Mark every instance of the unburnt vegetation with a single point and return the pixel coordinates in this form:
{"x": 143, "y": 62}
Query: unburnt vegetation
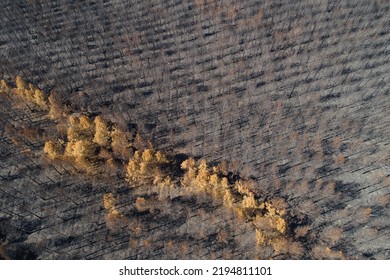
{"x": 90, "y": 145}
{"x": 194, "y": 129}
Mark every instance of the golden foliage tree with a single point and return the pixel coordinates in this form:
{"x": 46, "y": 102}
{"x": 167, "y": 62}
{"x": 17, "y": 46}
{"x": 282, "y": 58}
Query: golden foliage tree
{"x": 86, "y": 128}
{"x": 4, "y": 87}
{"x": 40, "y": 98}
{"x": 228, "y": 198}
{"x": 203, "y": 176}
{"x": 20, "y": 84}
{"x": 102, "y": 133}
{"x": 109, "y": 201}
{"x": 80, "y": 146}
{"x": 30, "y": 93}
{"x": 74, "y": 133}
{"x": 145, "y": 167}
{"x": 83, "y": 149}
{"x": 189, "y": 166}
{"x": 133, "y": 167}
{"x": 249, "y": 202}
{"x": 53, "y": 149}
{"x": 242, "y": 187}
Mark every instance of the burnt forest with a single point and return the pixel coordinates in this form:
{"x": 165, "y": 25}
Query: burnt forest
{"x": 194, "y": 129}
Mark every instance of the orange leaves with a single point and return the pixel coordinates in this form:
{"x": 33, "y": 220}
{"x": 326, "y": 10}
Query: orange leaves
{"x": 102, "y": 135}
{"x": 108, "y": 201}
{"x": 249, "y": 201}
{"x": 113, "y": 217}
{"x": 4, "y": 87}
{"x": 53, "y": 149}
{"x": 28, "y": 92}
{"x": 145, "y": 167}
{"x": 268, "y": 219}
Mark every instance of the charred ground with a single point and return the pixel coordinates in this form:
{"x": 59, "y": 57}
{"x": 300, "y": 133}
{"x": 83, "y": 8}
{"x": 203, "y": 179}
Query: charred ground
{"x": 293, "y": 94}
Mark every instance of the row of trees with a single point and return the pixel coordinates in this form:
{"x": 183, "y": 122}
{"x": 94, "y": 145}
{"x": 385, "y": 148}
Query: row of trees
{"x": 92, "y": 141}
{"x": 26, "y": 91}
{"x": 89, "y": 142}
{"x": 147, "y": 169}
{"x": 237, "y": 195}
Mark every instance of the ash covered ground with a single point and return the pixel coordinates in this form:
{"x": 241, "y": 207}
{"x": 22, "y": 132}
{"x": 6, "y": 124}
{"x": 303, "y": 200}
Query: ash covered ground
{"x": 294, "y": 95}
